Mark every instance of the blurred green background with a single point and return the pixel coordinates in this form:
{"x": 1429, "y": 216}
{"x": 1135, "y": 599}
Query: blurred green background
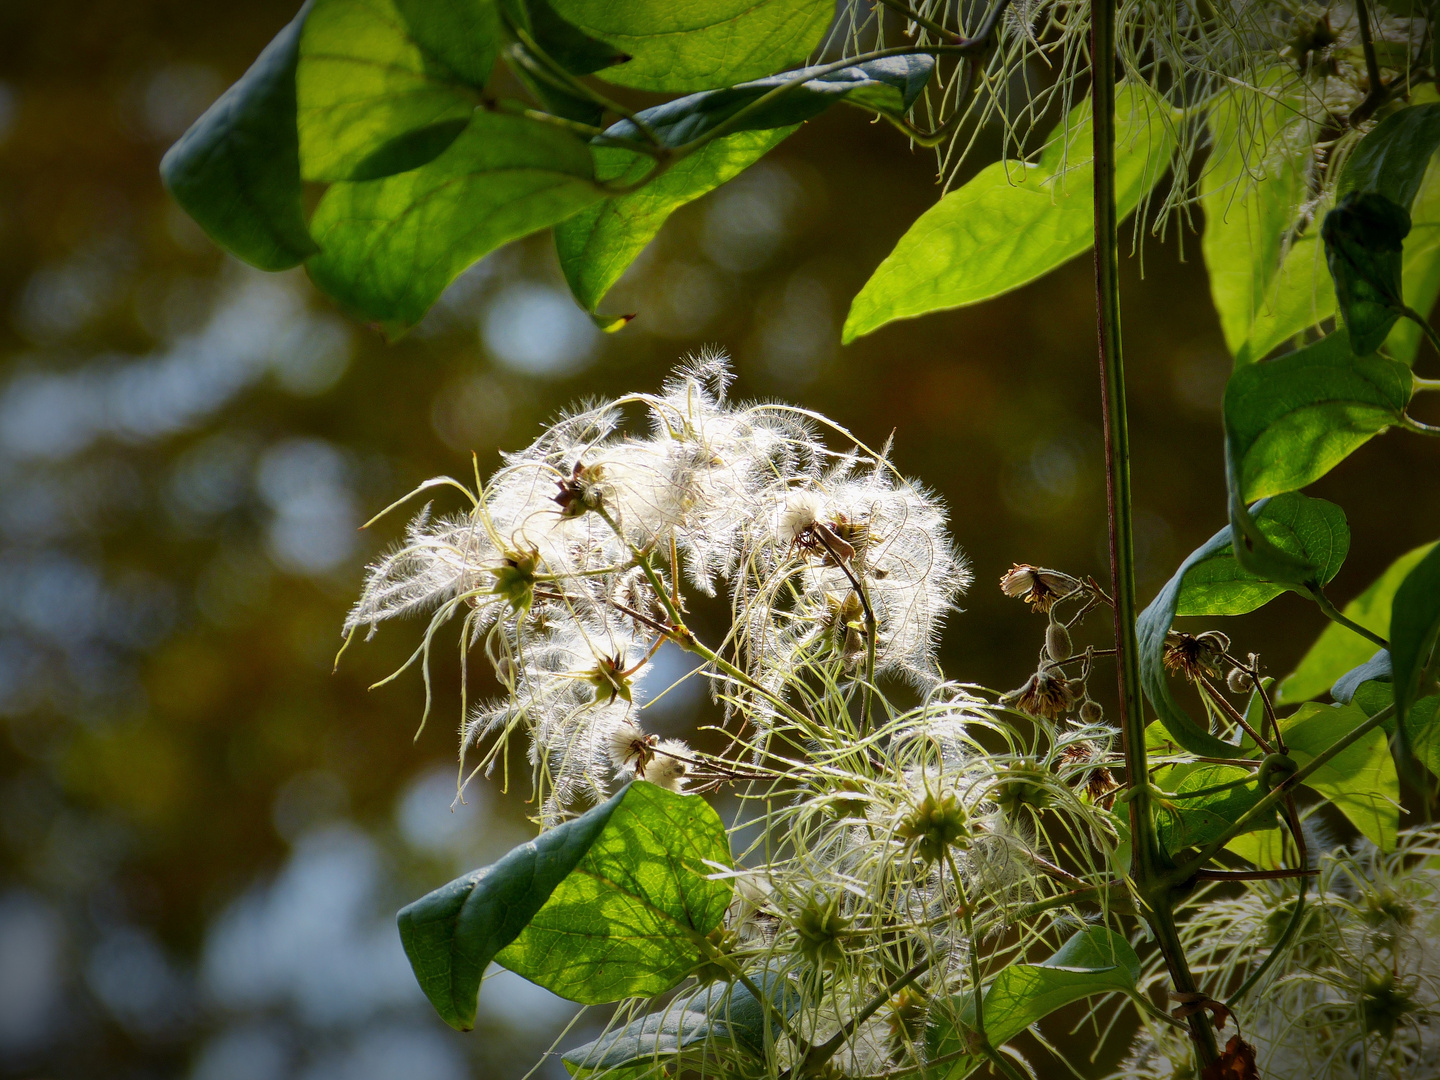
{"x": 204, "y": 833}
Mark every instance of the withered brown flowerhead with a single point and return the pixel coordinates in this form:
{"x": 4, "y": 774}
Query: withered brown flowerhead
{"x": 1047, "y": 694}
{"x": 1036, "y": 585}
{"x": 1196, "y": 654}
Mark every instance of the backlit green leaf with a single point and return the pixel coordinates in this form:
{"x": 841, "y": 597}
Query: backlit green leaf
{"x": 1256, "y": 176}
{"x": 1339, "y": 649}
{"x": 609, "y": 904}
{"x": 1414, "y": 628}
{"x": 1211, "y": 581}
{"x": 1422, "y": 720}
{"x": 236, "y": 171}
{"x": 386, "y": 85}
{"x": 1204, "y": 805}
{"x": 631, "y": 919}
{"x": 1015, "y": 221}
{"x": 1093, "y": 961}
{"x": 1420, "y": 267}
{"x": 598, "y": 244}
{"x": 391, "y": 246}
{"x": 684, "y": 45}
{"x": 1361, "y": 780}
{"x": 1291, "y": 420}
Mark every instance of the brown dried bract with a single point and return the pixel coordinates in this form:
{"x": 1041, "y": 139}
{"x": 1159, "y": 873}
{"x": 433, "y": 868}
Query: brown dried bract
{"x": 1039, "y": 587}
{"x": 1236, "y": 1062}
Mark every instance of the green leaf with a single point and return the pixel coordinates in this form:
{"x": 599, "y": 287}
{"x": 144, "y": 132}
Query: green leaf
{"x": 1257, "y": 174}
{"x": 1310, "y": 529}
{"x": 700, "y": 44}
{"x": 1414, "y": 628}
{"x": 386, "y": 85}
{"x": 1421, "y": 267}
{"x": 1263, "y": 849}
{"x": 1291, "y": 420}
{"x": 1364, "y": 237}
{"x": 598, "y": 244}
{"x": 1422, "y": 720}
{"x": 1211, "y": 581}
{"x": 1203, "y": 807}
{"x": 714, "y": 1022}
{"x": 639, "y": 860}
{"x": 631, "y": 920}
{"x": 575, "y": 51}
{"x": 1093, "y": 961}
{"x": 236, "y": 171}
{"x": 1339, "y": 649}
{"x": 1016, "y": 221}
{"x": 1361, "y": 780}
{"x": 391, "y": 246}
{"x": 1393, "y": 157}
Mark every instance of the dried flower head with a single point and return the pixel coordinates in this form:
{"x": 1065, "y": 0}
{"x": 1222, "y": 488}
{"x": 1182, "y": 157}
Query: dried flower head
{"x": 1047, "y": 693}
{"x": 1039, "y": 587}
{"x": 1196, "y": 655}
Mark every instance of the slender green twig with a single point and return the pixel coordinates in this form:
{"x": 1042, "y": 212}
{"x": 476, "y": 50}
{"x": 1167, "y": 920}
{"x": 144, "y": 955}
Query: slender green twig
{"x": 1147, "y": 859}
{"x": 902, "y": 8}
{"x": 1335, "y": 615}
{"x": 1377, "y": 93}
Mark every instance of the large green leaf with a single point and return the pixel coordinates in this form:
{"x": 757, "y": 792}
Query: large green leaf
{"x": 1204, "y": 806}
{"x": 599, "y": 243}
{"x": 386, "y": 85}
{"x": 1255, "y": 178}
{"x": 1393, "y": 157}
{"x": 236, "y": 171}
{"x": 1211, "y": 581}
{"x": 1093, "y": 961}
{"x": 1339, "y": 649}
{"x": 613, "y": 902}
{"x": 716, "y": 1022}
{"x": 630, "y": 921}
{"x": 1016, "y": 221}
{"x": 1291, "y": 420}
{"x": 1422, "y": 720}
{"x": 684, "y": 45}
{"x": 1414, "y": 629}
{"x": 391, "y": 246}
{"x": 1421, "y": 267}
{"x": 1360, "y": 780}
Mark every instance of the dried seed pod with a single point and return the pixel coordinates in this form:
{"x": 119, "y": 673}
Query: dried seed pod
{"x": 1239, "y": 681}
{"x": 1057, "y": 641}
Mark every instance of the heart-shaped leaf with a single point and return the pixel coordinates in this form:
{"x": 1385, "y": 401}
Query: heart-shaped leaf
{"x": 386, "y": 85}
{"x": 611, "y": 904}
{"x": 236, "y": 171}
{"x": 1016, "y": 221}
{"x": 1290, "y": 421}
{"x": 1394, "y": 155}
{"x": 391, "y": 246}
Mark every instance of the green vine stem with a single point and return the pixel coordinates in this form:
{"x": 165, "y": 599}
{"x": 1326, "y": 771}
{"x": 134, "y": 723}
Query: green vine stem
{"x": 1334, "y": 614}
{"x": 1148, "y": 859}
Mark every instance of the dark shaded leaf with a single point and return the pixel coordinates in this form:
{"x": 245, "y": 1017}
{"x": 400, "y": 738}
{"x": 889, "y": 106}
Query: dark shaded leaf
{"x": 1093, "y": 961}
{"x": 236, "y": 171}
{"x": 1016, "y": 221}
{"x": 1290, "y": 421}
{"x": 1364, "y": 237}
{"x": 1392, "y": 158}
{"x": 1211, "y": 581}
{"x": 681, "y": 47}
{"x": 574, "y": 50}
{"x": 1414, "y": 628}
{"x": 386, "y": 85}
{"x": 391, "y": 246}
